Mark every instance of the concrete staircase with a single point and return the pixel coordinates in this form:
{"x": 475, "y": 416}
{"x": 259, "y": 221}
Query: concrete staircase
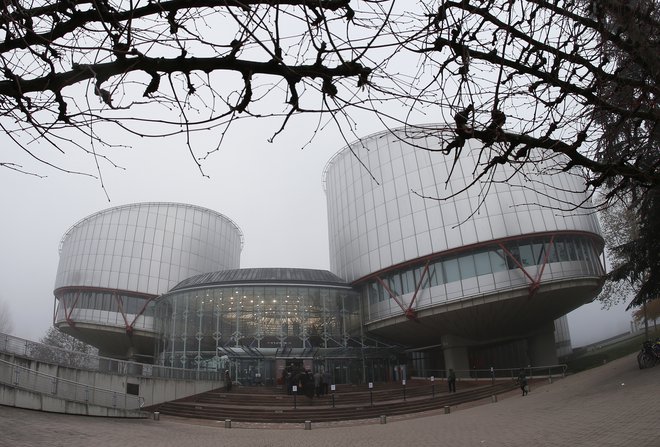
{"x": 270, "y": 404}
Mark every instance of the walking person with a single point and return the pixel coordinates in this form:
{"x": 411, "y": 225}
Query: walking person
{"x": 451, "y": 381}
{"x": 522, "y": 382}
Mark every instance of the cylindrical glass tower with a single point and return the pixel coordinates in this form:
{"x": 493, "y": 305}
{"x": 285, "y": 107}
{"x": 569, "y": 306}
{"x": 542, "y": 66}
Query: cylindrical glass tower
{"x": 426, "y": 240}
{"x": 115, "y": 262}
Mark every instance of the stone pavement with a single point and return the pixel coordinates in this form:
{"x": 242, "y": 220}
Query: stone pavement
{"x": 613, "y": 405}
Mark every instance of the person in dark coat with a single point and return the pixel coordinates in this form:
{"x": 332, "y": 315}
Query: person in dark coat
{"x": 227, "y": 381}
{"x": 522, "y": 382}
{"x": 307, "y": 380}
{"x": 318, "y": 380}
{"x": 327, "y": 380}
{"x": 451, "y": 381}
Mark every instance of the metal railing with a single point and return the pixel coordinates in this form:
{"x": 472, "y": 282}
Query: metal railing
{"x": 21, "y": 377}
{"x": 57, "y": 356}
{"x": 549, "y": 371}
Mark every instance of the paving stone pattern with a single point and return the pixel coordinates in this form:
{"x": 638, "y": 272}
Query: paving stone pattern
{"x": 614, "y": 405}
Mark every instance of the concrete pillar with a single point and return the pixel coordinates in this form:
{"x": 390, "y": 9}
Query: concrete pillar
{"x": 456, "y": 354}
{"x": 541, "y": 346}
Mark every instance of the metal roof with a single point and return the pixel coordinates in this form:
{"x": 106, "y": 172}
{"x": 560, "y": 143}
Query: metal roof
{"x": 263, "y": 276}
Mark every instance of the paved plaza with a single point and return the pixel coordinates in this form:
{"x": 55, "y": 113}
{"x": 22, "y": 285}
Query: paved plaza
{"x": 613, "y": 405}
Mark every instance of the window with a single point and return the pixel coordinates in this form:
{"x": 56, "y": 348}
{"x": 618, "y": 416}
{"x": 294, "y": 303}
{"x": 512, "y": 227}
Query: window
{"x": 466, "y": 264}
{"x": 419, "y": 271}
{"x": 579, "y": 249}
{"x": 394, "y": 283}
{"x": 435, "y": 274}
{"x": 497, "y": 260}
{"x": 551, "y": 249}
{"x": 570, "y": 245}
{"x": 408, "y": 282}
{"x": 538, "y": 252}
{"x": 562, "y": 251}
{"x": 513, "y": 257}
{"x": 482, "y": 263}
{"x": 526, "y": 255}
{"x": 451, "y": 270}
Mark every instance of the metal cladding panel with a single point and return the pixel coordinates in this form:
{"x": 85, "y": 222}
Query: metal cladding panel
{"x": 390, "y": 201}
{"x": 263, "y": 275}
{"x": 147, "y": 247}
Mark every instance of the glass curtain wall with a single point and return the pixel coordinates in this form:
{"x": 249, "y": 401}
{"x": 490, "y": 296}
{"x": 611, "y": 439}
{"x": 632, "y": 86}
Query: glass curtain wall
{"x": 487, "y": 260}
{"x": 105, "y": 307}
{"x": 197, "y": 326}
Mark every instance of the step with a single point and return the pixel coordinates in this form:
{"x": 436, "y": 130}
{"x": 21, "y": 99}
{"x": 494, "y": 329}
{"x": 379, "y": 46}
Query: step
{"x": 354, "y": 407}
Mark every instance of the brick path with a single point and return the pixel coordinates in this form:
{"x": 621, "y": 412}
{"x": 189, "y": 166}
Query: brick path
{"x": 614, "y": 405}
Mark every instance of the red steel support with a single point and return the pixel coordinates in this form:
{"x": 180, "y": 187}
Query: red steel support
{"x": 117, "y": 298}
{"x": 408, "y": 310}
{"x": 535, "y": 283}
{"x": 116, "y": 295}
{"x": 67, "y": 315}
{"x": 141, "y": 312}
{"x": 391, "y": 294}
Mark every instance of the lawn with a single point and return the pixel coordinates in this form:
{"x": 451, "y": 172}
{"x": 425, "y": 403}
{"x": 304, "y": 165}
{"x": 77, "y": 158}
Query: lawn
{"x": 581, "y": 360}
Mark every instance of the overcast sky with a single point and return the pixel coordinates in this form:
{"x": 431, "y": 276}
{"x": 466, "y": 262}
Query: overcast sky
{"x": 273, "y": 191}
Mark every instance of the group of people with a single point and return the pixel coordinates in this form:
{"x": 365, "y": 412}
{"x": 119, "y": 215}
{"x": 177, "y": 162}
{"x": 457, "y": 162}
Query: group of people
{"x": 307, "y": 383}
{"x": 318, "y": 384}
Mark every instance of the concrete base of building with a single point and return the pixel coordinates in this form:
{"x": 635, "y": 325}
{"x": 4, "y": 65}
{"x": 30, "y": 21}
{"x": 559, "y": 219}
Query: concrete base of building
{"x": 30, "y": 400}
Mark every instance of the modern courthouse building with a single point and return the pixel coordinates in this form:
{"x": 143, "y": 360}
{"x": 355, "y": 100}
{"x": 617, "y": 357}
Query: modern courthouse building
{"x": 431, "y": 267}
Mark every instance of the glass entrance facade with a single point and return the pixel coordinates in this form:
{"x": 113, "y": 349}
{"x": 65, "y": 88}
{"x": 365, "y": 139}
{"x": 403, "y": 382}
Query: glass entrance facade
{"x": 244, "y": 320}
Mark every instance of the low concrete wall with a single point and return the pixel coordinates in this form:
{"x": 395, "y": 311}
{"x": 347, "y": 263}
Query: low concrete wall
{"x": 152, "y": 390}
{"x": 15, "y": 397}
{"x": 156, "y": 391}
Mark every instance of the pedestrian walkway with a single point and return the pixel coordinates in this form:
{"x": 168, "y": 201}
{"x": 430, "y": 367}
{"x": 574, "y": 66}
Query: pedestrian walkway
{"x": 613, "y": 405}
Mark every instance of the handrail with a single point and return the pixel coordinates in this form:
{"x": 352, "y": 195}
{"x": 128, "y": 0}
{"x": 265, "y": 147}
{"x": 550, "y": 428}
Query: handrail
{"x": 50, "y": 354}
{"x": 21, "y": 377}
{"x": 558, "y": 370}
{"x": 62, "y": 357}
